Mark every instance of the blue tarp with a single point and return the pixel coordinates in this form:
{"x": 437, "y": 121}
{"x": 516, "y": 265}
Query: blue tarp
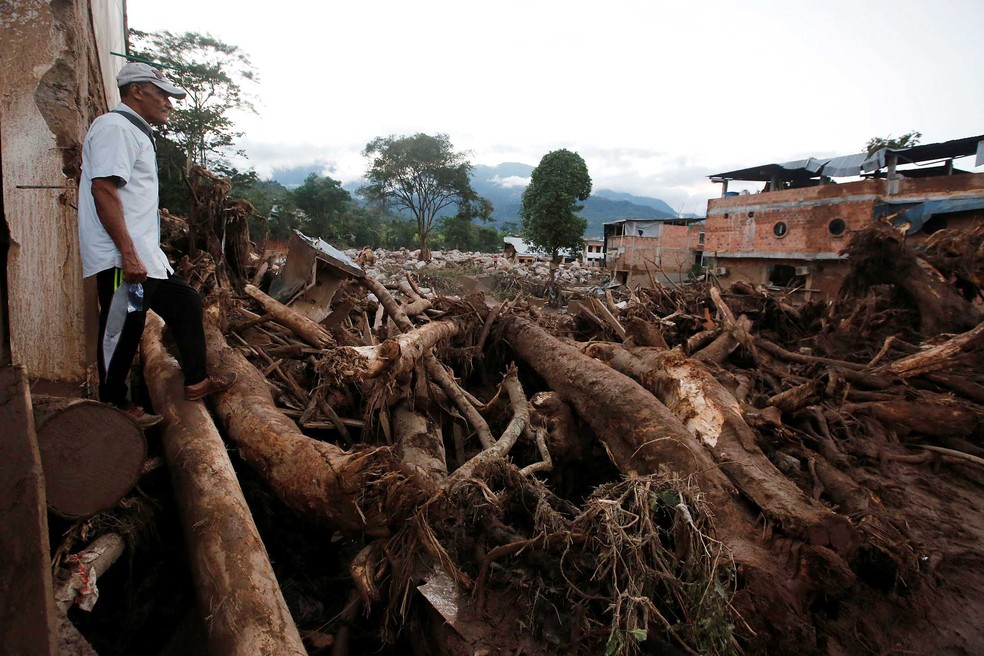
{"x": 914, "y": 218}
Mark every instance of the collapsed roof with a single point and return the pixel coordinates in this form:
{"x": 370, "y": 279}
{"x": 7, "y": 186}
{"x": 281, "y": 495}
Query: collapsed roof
{"x": 802, "y": 170}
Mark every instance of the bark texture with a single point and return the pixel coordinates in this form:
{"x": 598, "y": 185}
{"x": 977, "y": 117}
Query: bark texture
{"x": 237, "y": 590}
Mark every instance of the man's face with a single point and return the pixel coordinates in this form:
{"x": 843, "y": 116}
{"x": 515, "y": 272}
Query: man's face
{"x": 152, "y": 103}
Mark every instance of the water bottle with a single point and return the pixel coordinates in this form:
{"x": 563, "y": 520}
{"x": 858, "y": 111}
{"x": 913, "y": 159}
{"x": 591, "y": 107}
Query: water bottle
{"x": 134, "y": 297}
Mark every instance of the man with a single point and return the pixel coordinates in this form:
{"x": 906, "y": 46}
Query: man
{"x": 119, "y": 235}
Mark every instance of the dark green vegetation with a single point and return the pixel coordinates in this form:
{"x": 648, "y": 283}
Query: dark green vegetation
{"x": 550, "y": 203}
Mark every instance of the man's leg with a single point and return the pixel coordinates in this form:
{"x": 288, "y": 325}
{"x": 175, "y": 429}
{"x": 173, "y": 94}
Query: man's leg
{"x": 114, "y": 369}
{"x": 180, "y": 306}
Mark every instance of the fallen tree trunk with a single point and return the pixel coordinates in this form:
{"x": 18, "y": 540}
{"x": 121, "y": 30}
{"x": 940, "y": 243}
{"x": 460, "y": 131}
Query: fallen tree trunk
{"x": 305, "y": 328}
{"x": 237, "y": 590}
{"x": 938, "y": 357}
{"x": 358, "y": 492}
{"x": 714, "y": 417}
{"x": 419, "y": 443}
{"x": 942, "y": 417}
{"x": 398, "y": 354}
{"x": 642, "y": 437}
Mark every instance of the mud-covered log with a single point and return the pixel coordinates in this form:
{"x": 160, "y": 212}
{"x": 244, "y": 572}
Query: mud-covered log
{"x": 639, "y": 433}
{"x": 419, "y": 443}
{"x": 300, "y": 325}
{"x": 362, "y": 491}
{"x": 402, "y": 352}
{"x": 713, "y": 415}
{"x": 642, "y": 436}
{"x": 563, "y": 440}
{"x": 724, "y": 344}
{"x": 940, "y": 417}
{"x": 238, "y": 593}
{"x": 879, "y": 255}
{"x": 644, "y": 333}
{"x": 937, "y": 357}
{"x": 92, "y": 454}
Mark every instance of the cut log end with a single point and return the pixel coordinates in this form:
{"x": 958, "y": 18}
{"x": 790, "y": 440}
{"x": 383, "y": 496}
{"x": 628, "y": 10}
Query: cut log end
{"x": 91, "y": 454}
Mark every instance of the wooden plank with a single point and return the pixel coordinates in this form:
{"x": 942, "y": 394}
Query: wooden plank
{"x": 27, "y": 606}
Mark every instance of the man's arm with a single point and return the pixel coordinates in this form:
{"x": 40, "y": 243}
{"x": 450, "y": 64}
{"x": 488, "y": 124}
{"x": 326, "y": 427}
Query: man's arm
{"x": 109, "y": 208}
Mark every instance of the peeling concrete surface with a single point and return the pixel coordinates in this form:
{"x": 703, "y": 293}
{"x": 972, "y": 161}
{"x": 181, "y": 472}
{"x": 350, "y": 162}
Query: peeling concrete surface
{"x": 52, "y": 88}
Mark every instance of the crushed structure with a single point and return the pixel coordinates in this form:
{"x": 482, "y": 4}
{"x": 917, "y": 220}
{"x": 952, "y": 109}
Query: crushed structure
{"x": 792, "y": 233}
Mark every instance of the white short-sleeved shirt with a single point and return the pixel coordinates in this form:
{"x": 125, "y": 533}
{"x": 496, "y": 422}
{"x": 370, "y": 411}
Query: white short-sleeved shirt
{"x": 116, "y": 147}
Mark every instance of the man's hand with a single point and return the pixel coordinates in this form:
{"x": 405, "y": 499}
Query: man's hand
{"x": 133, "y": 269}
{"x": 109, "y": 208}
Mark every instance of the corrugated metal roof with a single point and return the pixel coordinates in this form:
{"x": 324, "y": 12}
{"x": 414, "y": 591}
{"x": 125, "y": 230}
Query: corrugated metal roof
{"x": 853, "y": 165}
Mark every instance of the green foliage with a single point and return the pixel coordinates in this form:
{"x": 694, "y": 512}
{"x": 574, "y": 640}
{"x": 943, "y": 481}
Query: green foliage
{"x": 397, "y": 232}
{"x": 549, "y": 208}
{"x": 270, "y": 199}
{"x": 906, "y": 140}
{"x": 325, "y": 205}
{"x": 212, "y": 72}
{"x": 461, "y": 233}
{"x": 174, "y": 193}
{"x": 423, "y": 175}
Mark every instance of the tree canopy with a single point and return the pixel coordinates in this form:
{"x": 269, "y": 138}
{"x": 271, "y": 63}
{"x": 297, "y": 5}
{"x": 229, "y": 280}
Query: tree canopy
{"x": 550, "y": 203}
{"x": 213, "y": 73}
{"x": 906, "y": 140}
{"x": 424, "y": 175}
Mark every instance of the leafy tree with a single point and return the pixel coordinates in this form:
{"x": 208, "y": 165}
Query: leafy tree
{"x": 272, "y": 200}
{"x": 398, "y": 232}
{"x": 423, "y": 175}
{"x": 325, "y": 204}
{"x": 550, "y": 204}
{"x": 457, "y": 232}
{"x": 212, "y": 72}
{"x": 906, "y": 140}
{"x": 487, "y": 240}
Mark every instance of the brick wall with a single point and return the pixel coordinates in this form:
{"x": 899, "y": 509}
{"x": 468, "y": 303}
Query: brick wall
{"x": 817, "y": 222}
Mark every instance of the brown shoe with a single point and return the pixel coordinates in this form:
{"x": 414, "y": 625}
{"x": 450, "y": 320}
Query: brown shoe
{"x": 142, "y": 419}
{"x": 210, "y": 385}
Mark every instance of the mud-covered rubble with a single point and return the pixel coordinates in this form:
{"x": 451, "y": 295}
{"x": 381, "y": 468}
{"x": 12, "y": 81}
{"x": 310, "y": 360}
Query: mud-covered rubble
{"x": 449, "y": 464}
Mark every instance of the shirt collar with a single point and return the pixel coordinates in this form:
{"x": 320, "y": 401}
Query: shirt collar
{"x": 129, "y": 110}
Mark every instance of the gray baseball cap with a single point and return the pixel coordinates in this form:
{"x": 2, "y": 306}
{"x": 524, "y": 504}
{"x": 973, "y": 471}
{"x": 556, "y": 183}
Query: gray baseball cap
{"x": 140, "y": 72}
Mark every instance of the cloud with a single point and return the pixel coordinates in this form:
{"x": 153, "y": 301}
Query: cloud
{"x": 510, "y": 181}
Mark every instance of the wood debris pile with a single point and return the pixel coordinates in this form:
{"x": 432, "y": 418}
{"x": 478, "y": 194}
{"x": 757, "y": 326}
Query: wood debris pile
{"x": 669, "y": 470}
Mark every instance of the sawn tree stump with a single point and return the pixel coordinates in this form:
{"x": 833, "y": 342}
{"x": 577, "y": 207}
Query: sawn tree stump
{"x": 91, "y": 454}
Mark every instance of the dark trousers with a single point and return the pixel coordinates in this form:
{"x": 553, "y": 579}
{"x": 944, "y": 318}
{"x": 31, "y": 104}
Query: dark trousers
{"x": 178, "y": 304}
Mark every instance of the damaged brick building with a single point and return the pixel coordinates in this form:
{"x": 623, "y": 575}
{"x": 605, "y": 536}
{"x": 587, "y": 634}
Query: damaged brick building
{"x": 790, "y": 234}
{"x": 636, "y": 249}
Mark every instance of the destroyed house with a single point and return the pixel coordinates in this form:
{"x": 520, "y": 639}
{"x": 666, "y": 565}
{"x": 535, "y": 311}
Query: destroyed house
{"x": 791, "y": 233}
{"x": 638, "y": 250}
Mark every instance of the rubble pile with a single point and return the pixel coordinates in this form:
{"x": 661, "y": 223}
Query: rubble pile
{"x": 440, "y": 462}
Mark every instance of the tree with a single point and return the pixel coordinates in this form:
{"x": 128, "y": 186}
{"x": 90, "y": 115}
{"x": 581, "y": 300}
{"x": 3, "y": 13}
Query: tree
{"x": 906, "y": 140}
{"x": 550, "y": 204}
{"x": 325, "y": 203}
{"x": 212, "y": 72}
{"x": 423, "y": 175}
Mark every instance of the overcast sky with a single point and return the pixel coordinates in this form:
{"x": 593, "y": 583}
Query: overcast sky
{"x": 654, "y": 96}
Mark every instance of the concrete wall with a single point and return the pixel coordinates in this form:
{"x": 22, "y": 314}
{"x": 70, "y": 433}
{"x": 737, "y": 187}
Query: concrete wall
{"x": 51, "y": 88}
